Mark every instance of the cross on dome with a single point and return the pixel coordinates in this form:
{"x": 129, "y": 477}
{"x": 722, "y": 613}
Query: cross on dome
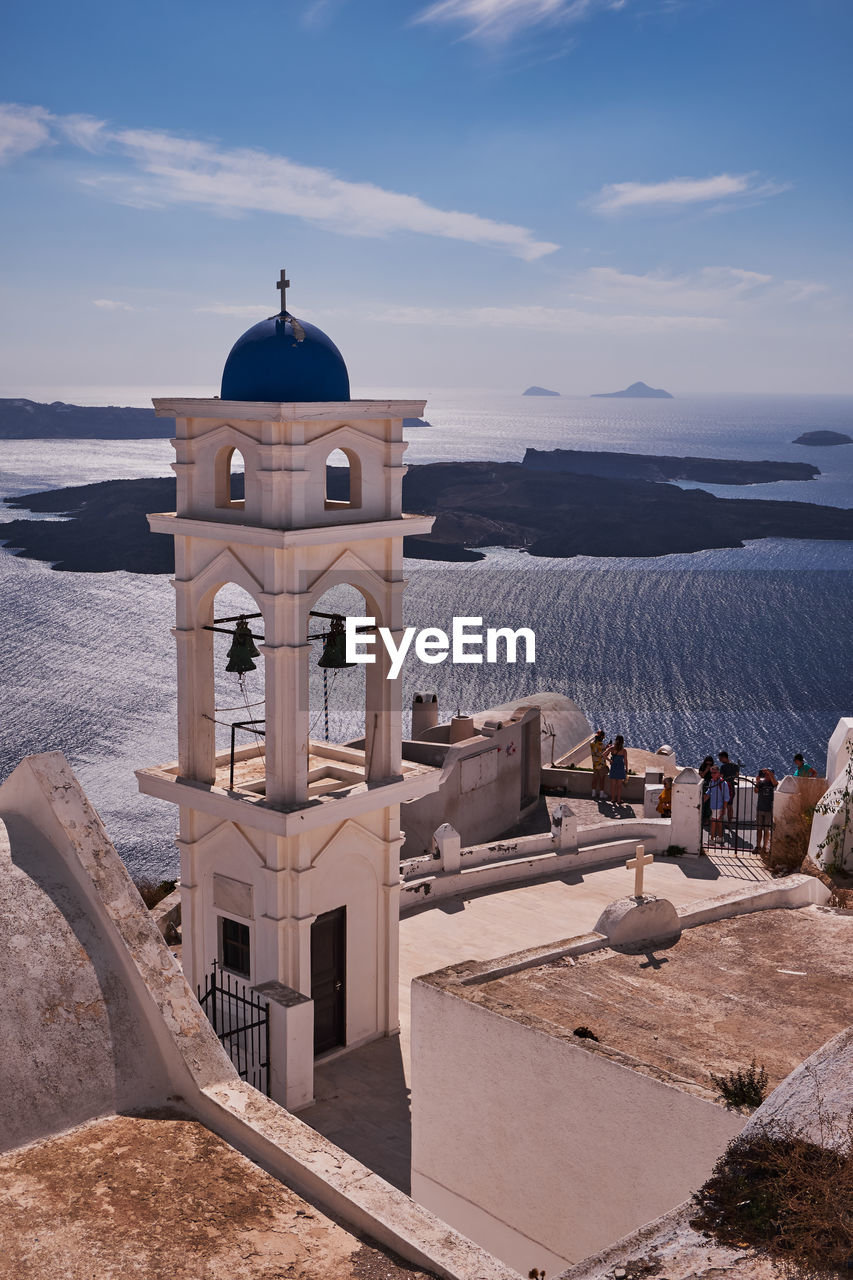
{"x": 283, "y": 284}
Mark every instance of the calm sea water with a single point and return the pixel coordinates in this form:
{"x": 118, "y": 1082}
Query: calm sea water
{"x": 744, "y": 648}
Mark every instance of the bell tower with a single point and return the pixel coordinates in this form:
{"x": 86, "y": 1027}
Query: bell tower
{"x": 290, "y": 849}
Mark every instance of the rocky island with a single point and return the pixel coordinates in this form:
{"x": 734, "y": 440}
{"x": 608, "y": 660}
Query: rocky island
{"x": 636, "y": 391}
{"x": 539, "y": 391}
{"x": 476, "y": 504}
{"x": 643, "y": 466}
{"x": 31, "y": 420}
{"x": 823, "y": 438}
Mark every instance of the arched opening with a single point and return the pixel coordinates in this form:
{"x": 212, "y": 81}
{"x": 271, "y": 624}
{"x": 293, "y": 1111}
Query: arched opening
{"x": 343, "y": 480}
{"x": 336, "y": 694}
{"x": 230, "y": 479}
{"x": 239, "y": 690}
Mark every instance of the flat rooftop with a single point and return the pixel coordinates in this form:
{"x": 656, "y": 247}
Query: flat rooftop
{"x": 773, "y": 985}
{"x": 155, "y": 1197}
{"x": 332, "y": 767}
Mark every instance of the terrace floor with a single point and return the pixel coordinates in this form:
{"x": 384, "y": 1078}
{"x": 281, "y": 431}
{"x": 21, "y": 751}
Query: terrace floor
{"x": 362, "y": 1098}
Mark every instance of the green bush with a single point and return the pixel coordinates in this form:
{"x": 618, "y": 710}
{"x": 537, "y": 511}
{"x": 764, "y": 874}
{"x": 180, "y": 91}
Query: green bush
{"x": 746, "y": 1087}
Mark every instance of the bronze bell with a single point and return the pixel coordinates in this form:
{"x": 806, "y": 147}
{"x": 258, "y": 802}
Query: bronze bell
{"x": 243, "y": 649}
{"x": 334, "y": 653}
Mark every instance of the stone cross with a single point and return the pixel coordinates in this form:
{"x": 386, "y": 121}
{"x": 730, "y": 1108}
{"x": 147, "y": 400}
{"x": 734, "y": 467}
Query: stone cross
{"x": 284, "y": 285}
{"x": 637, "y": 864}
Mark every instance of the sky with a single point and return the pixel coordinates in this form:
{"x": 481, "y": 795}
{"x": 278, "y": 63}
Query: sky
{"x": 464, "y": 193}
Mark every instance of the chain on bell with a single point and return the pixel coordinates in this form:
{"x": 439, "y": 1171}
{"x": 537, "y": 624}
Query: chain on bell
{"x": 243, "y": 649}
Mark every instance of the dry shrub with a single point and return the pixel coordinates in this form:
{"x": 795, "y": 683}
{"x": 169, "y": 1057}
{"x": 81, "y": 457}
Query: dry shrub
{"x": 788, "y": 1198}
{"x": 790, "y": 841}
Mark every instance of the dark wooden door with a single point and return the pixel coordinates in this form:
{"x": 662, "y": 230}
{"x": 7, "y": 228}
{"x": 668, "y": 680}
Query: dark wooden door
{"x": 329, "y": 979}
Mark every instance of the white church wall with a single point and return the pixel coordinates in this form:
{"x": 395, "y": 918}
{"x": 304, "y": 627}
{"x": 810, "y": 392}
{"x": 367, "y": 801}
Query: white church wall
{"x": 358, "y": 868}
{"x": 222, "y": 877}
{"x": 831, "y": 838}
{"x": 589, "y": 1153}
{"x": 482, "y": 787}
{"x": 840, "y": 748}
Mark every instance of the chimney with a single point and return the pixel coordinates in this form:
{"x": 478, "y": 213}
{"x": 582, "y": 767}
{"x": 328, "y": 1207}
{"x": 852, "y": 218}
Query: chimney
{"x": 462, "y": 728}
{"x": 424, "y": 714}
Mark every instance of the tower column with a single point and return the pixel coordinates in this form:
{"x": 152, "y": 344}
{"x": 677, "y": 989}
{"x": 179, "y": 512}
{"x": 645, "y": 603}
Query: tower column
{"x": 286, "y": 745}
{"x": 196, "y": 730}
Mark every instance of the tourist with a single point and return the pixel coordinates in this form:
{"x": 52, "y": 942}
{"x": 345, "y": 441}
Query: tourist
{"x": 618, "y": 757}
{"x": 664, "y": 805}
{"x": 801, "y": 769}
{"x": 730, "y": 772}
{"x": 597, "y": 751}
{"x": 765, "y": 784}
{"x": 718, "y": 792}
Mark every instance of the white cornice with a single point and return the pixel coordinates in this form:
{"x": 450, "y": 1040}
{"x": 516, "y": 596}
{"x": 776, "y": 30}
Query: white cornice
{"x": 318, "y": 535}
{"x": 296, "y": 411}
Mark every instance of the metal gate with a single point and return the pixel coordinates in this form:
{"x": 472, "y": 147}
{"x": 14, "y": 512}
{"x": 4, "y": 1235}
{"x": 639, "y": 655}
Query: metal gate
{"x": 241, "y": 1020}
{"x": 739, "y": 831}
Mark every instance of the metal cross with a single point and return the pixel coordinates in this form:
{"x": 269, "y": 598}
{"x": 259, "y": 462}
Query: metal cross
{"x": 284, "y": 285}
{"x": 637, "y": 864}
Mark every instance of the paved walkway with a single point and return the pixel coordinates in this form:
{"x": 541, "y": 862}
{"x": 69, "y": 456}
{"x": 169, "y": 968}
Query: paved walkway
{"x": 362, "y": 1098}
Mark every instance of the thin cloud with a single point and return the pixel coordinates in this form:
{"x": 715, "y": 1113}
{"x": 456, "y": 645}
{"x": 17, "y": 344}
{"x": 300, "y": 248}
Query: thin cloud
{"x": 152, "y": 169}
{"x": 564, "y": 320}
{"x": 240, "y": 312}
{"x": 499, "y": 20}
{"x": 22, "y": 129}
{"x": 109, "y": 304}
{"x": 718, "y": 289}
{"x": 616, "y": 197}
{"x": 605, "y": 300}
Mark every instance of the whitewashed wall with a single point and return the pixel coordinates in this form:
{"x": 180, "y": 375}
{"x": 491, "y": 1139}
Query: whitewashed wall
{"x": 543, "y": 1174}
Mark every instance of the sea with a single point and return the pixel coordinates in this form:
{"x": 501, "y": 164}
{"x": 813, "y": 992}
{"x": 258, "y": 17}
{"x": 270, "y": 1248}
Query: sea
{"x": 747, "y": 648}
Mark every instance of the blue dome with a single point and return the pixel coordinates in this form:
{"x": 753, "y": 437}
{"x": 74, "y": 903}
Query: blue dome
{"x": 283, "y": 358}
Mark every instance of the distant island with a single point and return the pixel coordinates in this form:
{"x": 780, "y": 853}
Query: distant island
{"x": 476, "y": 504}
{"x": 539, "y": 391}
{"x": 636, "y": 391}
{"x": 644, "y": 466}
{"x": 823, "y": 438}
{"x": 30, "y": 420}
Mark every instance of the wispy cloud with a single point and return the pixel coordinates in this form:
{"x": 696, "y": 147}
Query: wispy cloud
{"x": 152, "y": 169}
{"x": 605, "y": 300}
{"x": 109, "y": 304}
{"x": 248, "y": 312}
{"x": 565, "y": 320}
{"x": 718, "y": 290}
{"x": 675, "y": 193}
{"x": 22, "y": 129}
{"x": 499, "y": 20}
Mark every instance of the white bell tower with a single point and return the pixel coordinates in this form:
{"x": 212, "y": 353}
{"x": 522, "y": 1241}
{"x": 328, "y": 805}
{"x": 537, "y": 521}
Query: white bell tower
{"x": 290, "y": 851}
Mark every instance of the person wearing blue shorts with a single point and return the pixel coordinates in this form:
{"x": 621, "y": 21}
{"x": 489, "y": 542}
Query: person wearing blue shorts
{"x": 618, "y": 757}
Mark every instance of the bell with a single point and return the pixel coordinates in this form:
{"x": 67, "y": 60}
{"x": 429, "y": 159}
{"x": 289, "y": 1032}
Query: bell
{"x": 335, "y": 649}
{"x": 242, "y": 650}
